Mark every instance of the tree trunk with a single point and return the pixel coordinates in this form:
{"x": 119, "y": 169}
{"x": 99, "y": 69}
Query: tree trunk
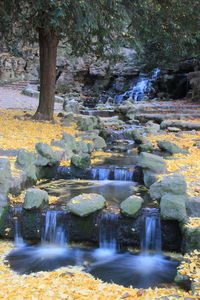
{"x": 48, "y": 43}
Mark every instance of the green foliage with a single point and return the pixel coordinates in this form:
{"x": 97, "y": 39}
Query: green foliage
{"x": 167, "y": 30}
{"x": 86, "y": 25}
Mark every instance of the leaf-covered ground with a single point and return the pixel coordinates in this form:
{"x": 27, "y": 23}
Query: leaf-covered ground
{"x": 72, "y": 283}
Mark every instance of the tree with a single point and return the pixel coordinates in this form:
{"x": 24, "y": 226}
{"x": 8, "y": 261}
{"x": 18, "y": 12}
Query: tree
{"x": 165, "y": 31}
{"x": 86, "y": 25}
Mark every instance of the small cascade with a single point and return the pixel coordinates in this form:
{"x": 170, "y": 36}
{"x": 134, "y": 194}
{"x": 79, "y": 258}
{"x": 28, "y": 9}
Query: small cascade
{"x": 151, "y": 231}
{"x": 53, "y": 233}
{"x": 17, "y": 214}
{"x": 100, "y": 174}
{"x": 108, "y": 233}
{"x": 122, "y": 174}
{"x": 142, "y": 87}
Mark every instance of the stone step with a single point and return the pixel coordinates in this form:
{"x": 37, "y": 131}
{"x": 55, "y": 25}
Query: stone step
{"x": 170, "y": 111}
{"x": 180, "y": 124}
{"x": 161, "y": 117}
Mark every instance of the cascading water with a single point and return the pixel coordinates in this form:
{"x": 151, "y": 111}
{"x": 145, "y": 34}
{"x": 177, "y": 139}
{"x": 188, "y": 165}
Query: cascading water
{"x": 142, "y": 87}
{"x": 123, "y": 174}
{"x": 108, "y": 236}
{"x": 17, "y": 213}
{"x": 107, "y": 224}
{"x": 151, "y": 231}
{"x": 53, "y": 234}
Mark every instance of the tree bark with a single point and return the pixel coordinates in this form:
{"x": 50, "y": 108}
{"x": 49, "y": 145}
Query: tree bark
{"x": 48, "y": 43}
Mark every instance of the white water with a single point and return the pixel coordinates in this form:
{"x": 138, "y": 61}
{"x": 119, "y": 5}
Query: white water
{"x": 142, "y": 87}
{"x": 18, "y": 239}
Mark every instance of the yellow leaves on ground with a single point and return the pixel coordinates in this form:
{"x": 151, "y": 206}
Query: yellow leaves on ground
{"x": 65, "y": 163}
{"x": 71, "y": 284}
{"x": 17, "y": 199}
{"x": 193, "y": 223}
{"x": 191, "y": 267}
{"x": 25, "y": 133}
{"x": 187, "y": 165}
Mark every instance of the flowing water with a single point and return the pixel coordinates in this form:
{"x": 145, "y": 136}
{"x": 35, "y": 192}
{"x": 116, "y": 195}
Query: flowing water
{"x": 142, "y": 88}
{"x": 106, "y": 262}
{"x": 18, "y": 239}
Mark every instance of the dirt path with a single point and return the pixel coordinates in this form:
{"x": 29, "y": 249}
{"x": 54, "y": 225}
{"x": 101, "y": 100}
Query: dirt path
{"x": 13, "y": 99}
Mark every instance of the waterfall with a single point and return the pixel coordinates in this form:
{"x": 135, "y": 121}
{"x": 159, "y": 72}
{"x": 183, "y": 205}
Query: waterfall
{"x": 108, "y": 232}
{"x": 53, "y": 233}
{"x": 150, "y": 231}
{"x": 17, "y": 214}
{"x": 122, "y": 174}
{"x": 142, "y": 87}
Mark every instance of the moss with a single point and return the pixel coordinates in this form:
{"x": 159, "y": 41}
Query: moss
{"x": 4, "y": 215}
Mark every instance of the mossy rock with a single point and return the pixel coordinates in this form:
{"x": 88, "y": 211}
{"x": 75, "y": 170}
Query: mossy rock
{"x": 131, "y": 206}
{"x": 86, "y": 204}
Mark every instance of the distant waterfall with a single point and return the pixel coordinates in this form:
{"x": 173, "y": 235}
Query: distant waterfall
{"x": 150, "y": 231}
{"x": 142, "y": 87}
{"x": 53, "y": 233}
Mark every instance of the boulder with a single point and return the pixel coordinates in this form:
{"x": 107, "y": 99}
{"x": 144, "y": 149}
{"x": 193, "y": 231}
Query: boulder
{"x": 149, "y": 177}
{"x": 173, "y": 184}
{"x": 193, "y": 207}
{"x": 172, "y": 207}
{"x": 26, "y": 161}
{"x": 191, "y": 239}
{"x": 151, "y": 162}
{"x": 151, "y": 128}
{"x": 46, "y": 156}
{"x": 194, "y": 78}
{"x": 170, "y": 147}
{"x": 81, "y": 161}
{"x": 71, "y": 106}
{"x": 35, "y": 199}
{"x": 131, "y": 206}
{"x": 81, "y": 147}
{"x": 5, "y": 181}
{"x": 31, "y": 91}
{"x": 137, "y": 136}
{"x": 86, "y": 204}
{"x": 99, "y": 143}
{"x": 88, "y": 123}
{"x": 67, "y": 143}
{"x": 147, "y": 147}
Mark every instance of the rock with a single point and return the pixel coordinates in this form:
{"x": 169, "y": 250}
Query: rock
{"x": 35, "y": 199}
{"x": 59, "y": 99}
{"x": 67, "y": 143}
{"x": 31, "y": 92}
{"x": 4, "y": 220}
{"x": 131, "y": 206}
{"x": 26, "y": 161}
{"x": 170, "y": 147}
{"x": 172, "y": 207}
{"x": 137, "y": 137}
{"x": 81, "y": 147}
{"x": 99, "y": 143}
{"x": 151, "y": 128}
{"x": 173, "y": 184}
{"x": 5, "y": 181}
{"x": 191, "y": 239}
{"x": 46, "y": 156}
{"x": 194, "y": 78}
{"x": 173, "y": 129}
{"x": 152, "y": 162}
{"x": 71, "y": 106}
{"x": 148, "y": 147}
{"x": 149, "y": 177}
{"x": 193, "y": 207}
{"x": 81, "y": 161}
{"x": 88, "y": 123}
{"x": 86, "y": 204}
